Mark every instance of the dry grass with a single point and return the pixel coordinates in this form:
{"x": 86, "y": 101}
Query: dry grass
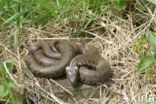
{"x": 114, "y": 36}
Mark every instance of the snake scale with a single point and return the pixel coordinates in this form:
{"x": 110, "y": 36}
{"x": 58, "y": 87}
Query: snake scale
{"x": 89, "y": 67}
{"x": 62, "y": 57}
{"x": 58, "y": 64}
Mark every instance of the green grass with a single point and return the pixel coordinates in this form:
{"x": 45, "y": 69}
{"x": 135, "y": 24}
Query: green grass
{"x": 20, "y": 14}
{"x": 8, "y": 90}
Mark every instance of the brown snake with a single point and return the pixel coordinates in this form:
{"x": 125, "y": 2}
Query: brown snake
{"x": 44, "y": 60}
{"x": 50, "y": 68}
{"x": 89, "y": 68}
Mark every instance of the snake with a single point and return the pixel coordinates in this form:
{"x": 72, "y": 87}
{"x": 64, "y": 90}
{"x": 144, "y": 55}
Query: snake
{"x": 44, "y": 60}
{"x": 51, "y": 61}
{"x": 89, "y": 67}
{"x": 50, "y": 52}
{"x": 47, "y": 62}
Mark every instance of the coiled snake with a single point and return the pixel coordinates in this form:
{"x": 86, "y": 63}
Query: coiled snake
{"x": 51, "y": 62}
{"x": 89, "y": 67}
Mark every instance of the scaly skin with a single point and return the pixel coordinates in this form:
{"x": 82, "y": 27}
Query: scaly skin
{"x": 55, "y": 70}
{"x": 97, "y": 76}
{"x": 98, "y": 73}
{"x": 47, "y": 50}
{"x": 44, "y": 60}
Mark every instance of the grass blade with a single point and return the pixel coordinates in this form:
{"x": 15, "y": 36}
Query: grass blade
{"x": 145, "y": 63}
{"x": 152, "y": 40}
{"x": 152, "y": 1}
{"x": 17, "y": 15}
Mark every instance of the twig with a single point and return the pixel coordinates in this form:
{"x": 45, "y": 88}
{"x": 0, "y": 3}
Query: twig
{"x": 61, "y": 86}
{"x": 62, "y": 38}
{"x": 52, "y": 95}
{"x": 64, "y": 89}
{"x": 9, "y": 50}
{"x": 96, "y": 35}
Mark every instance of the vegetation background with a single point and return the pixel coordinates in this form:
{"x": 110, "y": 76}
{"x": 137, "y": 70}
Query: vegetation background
{"x": 124, "y": 30}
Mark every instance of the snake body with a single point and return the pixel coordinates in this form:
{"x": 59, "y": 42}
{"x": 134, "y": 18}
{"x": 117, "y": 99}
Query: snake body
{"x": 50, "y": 62}
{"x": 91, "y": 68}
{"x": 51, "y": 69}
{"x": 48, "y": 52}
{"x": 43, "y": 60}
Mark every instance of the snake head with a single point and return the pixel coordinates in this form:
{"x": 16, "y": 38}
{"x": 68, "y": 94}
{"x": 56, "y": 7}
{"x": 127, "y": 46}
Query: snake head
{"x": 72, "y": 74}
